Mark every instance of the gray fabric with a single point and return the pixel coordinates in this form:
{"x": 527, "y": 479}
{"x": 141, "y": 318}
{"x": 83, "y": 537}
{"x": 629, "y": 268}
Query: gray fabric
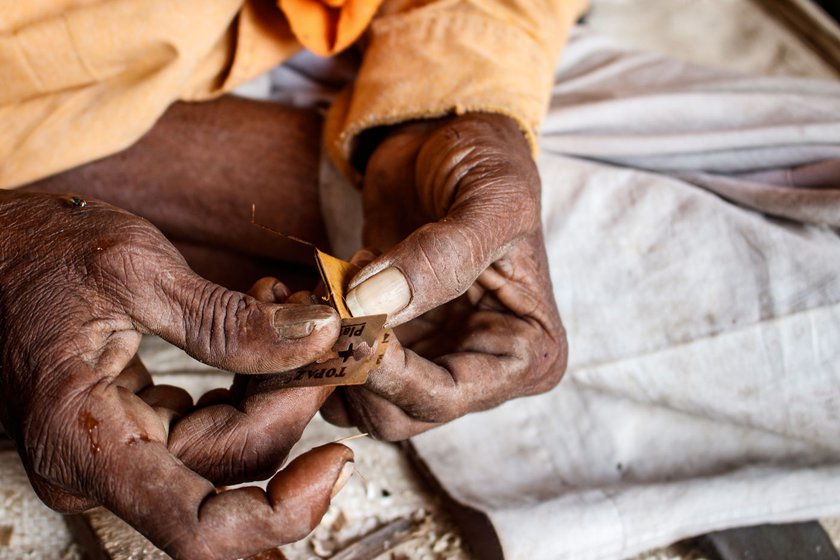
{"x": 704, "y": 376}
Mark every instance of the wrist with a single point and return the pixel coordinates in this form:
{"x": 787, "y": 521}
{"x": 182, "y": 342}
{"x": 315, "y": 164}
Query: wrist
{"x": 499, "y": 124}
{"x": 370, "y": 139}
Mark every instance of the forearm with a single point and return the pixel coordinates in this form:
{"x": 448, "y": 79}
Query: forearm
{"x": 196, "y": 174}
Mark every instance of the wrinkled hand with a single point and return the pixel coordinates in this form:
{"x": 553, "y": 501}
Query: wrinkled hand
{"x": 455, "y": 206}
{"x": 78, "y": 285}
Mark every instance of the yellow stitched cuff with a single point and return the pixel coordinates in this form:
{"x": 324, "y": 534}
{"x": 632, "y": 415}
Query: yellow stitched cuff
{"x": 438, "y": 61}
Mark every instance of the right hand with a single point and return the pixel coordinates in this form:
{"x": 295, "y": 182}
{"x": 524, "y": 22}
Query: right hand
{"x": 452, "y": 206}
{"x": 78, "y": 287}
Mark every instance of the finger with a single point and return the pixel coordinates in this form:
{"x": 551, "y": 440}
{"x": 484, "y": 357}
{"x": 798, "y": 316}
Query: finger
{"x": 498, "y": 357}
{"x": 214, "y": 396}
{"x": 169, "y": 402}
{"x": 294, "y": 502}
{"x": 183, "y": 514}
{"x": 364, "y": 256}
{"x": 233, "y": 331}
{"x": 434, "y": 265}
{"x": 141, "y": 481}
{"x": 232, "y": 444}
{"x": 269, "y": 290}
{"x": 134, "y": 377}
{"x": 487, "y": 199}
{"x": 304, "y": 298}
{"x": 335, "y": 411}
{"x": 290, "y": 508}
{"x": 167, "y": 396}
{"x": 381, "y": 419}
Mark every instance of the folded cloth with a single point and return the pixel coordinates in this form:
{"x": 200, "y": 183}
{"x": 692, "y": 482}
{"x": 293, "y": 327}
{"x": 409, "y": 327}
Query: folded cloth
{"x": 691, "y": 223}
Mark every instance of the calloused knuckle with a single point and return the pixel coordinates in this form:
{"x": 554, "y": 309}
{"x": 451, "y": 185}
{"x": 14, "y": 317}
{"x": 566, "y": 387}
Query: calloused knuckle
{"x": 449, "y": 254}
{"x": 211, "y": 316}
{"x": 244, "y": 318}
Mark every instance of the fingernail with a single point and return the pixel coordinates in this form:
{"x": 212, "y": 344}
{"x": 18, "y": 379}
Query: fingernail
{"x": 299, "y": 321}
{"x": 346, "y": 472}
{"x": 384, "y": 292}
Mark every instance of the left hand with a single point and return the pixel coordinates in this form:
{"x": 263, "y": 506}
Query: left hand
{"x": 79, "y": 283}
{"x": 455, "y": 205}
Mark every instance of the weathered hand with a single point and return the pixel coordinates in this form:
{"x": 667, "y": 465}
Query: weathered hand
{"x": 455, "y": 205}
{"x": 78, "y": 284}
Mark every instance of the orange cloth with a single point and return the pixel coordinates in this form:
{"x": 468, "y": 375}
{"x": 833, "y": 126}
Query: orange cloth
{"x": 83, "y": 79}
{"x": 327, "y": 27}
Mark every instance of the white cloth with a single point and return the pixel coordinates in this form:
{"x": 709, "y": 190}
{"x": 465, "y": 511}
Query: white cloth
{"x": 703, "y": 388}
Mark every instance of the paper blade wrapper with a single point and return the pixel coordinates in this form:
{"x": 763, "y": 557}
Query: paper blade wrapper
{"x": 362, "y": 343}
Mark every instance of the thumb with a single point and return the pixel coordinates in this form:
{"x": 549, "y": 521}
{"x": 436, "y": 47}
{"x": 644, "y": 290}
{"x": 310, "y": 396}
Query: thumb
{"x": 435, "y": 264}
{"x": 478, "y": 177}
{"x": 233, "y": 331}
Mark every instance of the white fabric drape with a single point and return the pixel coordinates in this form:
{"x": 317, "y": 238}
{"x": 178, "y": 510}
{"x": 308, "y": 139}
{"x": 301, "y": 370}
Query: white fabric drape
{"x": 703, "y": 388}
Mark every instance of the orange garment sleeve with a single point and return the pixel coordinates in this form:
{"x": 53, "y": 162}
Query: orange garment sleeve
{"x": 432, "y": 58}
{"x": 83, "y": 79}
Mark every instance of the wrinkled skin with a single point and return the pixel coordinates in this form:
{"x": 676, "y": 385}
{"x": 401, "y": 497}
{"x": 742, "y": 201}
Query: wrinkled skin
{"x": 196, "y": 174}
{"x": 455, "y": 205}
{"x": 79, "y": 284}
